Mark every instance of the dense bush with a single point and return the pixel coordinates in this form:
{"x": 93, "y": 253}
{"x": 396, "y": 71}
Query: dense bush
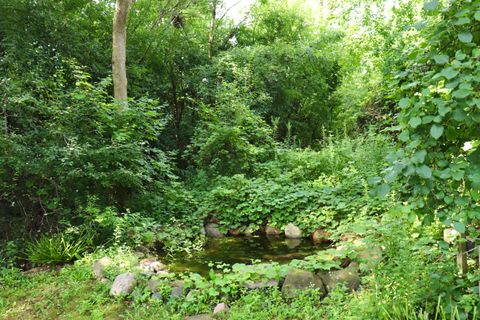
{"x": 312, "y": 188}
{"x": 230, "y": 138}
{"x": 65, "y": 143}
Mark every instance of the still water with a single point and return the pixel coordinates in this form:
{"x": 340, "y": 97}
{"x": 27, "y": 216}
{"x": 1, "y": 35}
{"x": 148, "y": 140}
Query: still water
{"x": 231, "y": 250}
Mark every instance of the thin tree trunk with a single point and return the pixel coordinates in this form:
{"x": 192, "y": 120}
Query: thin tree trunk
{"x": 119, "y": 69}
{"x": 211, "y": 36}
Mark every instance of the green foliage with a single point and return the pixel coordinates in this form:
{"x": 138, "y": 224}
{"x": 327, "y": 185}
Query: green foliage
{"x": 65, "y": 142}
{"x": 312, "y": 188}
{"x": 230, "y": 138}
{"x": 56, "y": 249}
{"x": 437, "y": 92}
{"x": 290, "y": 86}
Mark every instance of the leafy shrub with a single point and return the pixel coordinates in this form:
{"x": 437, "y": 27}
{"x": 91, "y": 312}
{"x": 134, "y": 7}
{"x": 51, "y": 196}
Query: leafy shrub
{"x": 230, "y": 138}
{"x": 311, "y": 188}
{"x": 66, "y": 143}
{"x": 56, "y": 249}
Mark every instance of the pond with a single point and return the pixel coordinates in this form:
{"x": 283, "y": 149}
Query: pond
{"x": 231, "y": 250}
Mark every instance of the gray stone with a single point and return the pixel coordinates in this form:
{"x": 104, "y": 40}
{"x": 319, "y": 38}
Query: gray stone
{"x": 123, "y": 284}
{"x": 177, "y": 288}
{"x": 200, "y": 317}
{"x": 349, "y": 277}
{"x": 272, "y": 231}
{"x": 292, "y": 231}
{"x": 261, "y": 284}
{"x": 154, "y": 283}
{"x": 191, "y": 295}
{"x": 220, "y": 308}
{"x": 157, "y": 296}
{"x": 211, "y": 229}
{"x": 299, "y": 280}
{"x": 98, "y": 267}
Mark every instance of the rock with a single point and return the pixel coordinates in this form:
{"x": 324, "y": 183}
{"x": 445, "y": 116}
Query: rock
{"x": 292, "y": 243}
{"x": 298, "y": 280}
{"x": 152, "y": 265}
{"x": 220, "y": 308}
{"x": 98, "y": 267}
{"x": 234, "y": 232}
{"x": 369, "y": 257}
{"x": 177, "y": 292}
{"x": 178, "y": 288}
{"x": 350, "y": 237}
{"x": 157, "y": 266}
{"x": 450, "y": 235}
{"x": 348, "y": 277}
{"x": 272, "y": 231}
{"x": 320, "y": 236}
{"x": 154, "y": 283}
{"x": 249, "y": 232}
{"x": 261, "y": 284}
{"x": 123, "y": 284}
{"x": 200, "y": 317}
{"x": 292, "y": 231}
{"x": 157, "y": 296}
{"x": 212, "y": 231}
{"x": 191, "y": 295}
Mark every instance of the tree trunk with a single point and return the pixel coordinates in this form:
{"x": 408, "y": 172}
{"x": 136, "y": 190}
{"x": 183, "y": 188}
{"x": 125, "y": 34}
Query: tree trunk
{"x": 211, "y": 36}
{"x": 119, "y": 69}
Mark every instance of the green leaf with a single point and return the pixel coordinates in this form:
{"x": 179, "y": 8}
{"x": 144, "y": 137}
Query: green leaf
{"x": 436, "y": 131}
{"x": 415, "y": 122}
{"x": 477, "y": 16}
{"x": 424, "y": 172}
{"x": 460, "y": 227}
{"x": 382, "y": 190}
{"x": 442, "y": 110}
{"x": 449, "y": 73}
{"x": 419, "y": 156}
{"x": 462, "y": 21}
{"x": 404, "y": 136}
{"x": 465, "y": 36}
{"x": 441, "y": 59}
{"x": 461, "y": 93}
{"x": 430, "y": 5}
{"x": 404, "y": 103}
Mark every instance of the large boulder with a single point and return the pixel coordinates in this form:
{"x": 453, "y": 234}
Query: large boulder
{"x": 349, "y": 277}
{"x": 211, "y": 229}
{"x": 123, "y": 284}
{"x": 272, "y": 231}
{"x": 292, "y": 231}
{"x": 320, "y": 236}
{"x": 299, "y": 280}
{"x": 98, "y": 267}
